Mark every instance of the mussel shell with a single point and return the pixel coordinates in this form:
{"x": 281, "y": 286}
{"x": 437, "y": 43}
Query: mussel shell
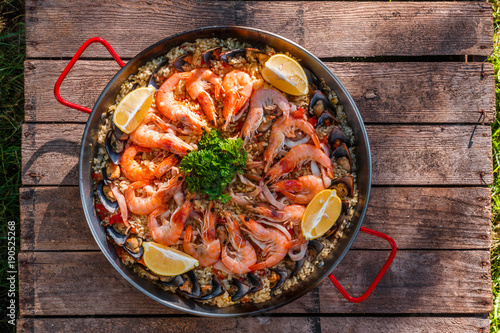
{"x": 319, "y": 96}
{"x": 341, "y": 151}
{"x": 317, "y": 246}
{"x": 283, "y": 276}
{"x": 196, "y": 288}
{"x": 217, "y": 289}
{"x": 313, "y": 80}
{"x": 176, "y": 282}
{"x": 348, "y": 181}
{"x": 337, "y": 134}
{"x": 207, "y": 55}
{"x": 111, "y": 206}
{"x": 179, "y": 62}
{"x": 152, "y": 82}
{"x": 241, "y": 289}
{"x": 298, "y": 266}
{"x": 226, "y": 56}
{"x": 327, "y": 119}
{"x": 255, "y": 283}
{"x": 135, "y": 253}
{"x": 114, "y": 147}
{"x": 115, "y": 236}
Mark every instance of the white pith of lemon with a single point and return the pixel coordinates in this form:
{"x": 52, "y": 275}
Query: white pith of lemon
{"x": 321, "y": 214}
{"x": 133, "y": 109}
{"x": 166, "y": 261}
{"x": 286, "y": 74}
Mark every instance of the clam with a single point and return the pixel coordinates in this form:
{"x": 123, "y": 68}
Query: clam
{"x": 207, "y": 55}
{"x": 216, "y": 290}
{"x": 172, "y": 281}
{"x": 238, "y": 289}
{"x": 110, "y": 205}
{"x": 182, "y": 60}
{"x": 344, "y": 186}
{"x": 282, "y": 276}
{"x": 114, "y": 146}
{"x": 152, "y": 79}
{"x": 191, "y": 287}
{"x": 336, "y": 137}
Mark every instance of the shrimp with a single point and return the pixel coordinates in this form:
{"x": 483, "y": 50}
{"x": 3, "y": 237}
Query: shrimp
{"x": 146, "y": 136}
{"x": 238, "y": 88}
{"x": 301, "y": 190}
{"x": 276, "y": 243}
{"x": 295, "y": 158}
{"x": 132, "y": 169}
{"x": 197, "y": 85}
{"x": 147, "y": 203}
{"x": 172, "y": 109}
{"x": 262, "y": 99}
{"x": 291, "y": 213}
{"x": 169, "y": 232}
{"x": 243, "y": 256}
{"x": 166, "y": 165}
{"x": 208, "y": 252}
{"x": 285, "y": 127}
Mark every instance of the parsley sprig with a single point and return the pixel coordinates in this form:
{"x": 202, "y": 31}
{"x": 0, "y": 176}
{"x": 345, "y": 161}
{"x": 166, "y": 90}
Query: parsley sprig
{"x": 212, "y": 167}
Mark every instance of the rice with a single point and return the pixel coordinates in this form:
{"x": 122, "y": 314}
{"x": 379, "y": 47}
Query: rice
{"x": 251, "y": 63}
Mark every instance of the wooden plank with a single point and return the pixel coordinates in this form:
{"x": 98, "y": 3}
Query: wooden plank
{"x": 383, "y": 92}
{"x": 334, "y": 29}
{"x": 262, "y": 324}
{"x": 417, "y": 282}
{"x": 402, "y": 155}
{"x": 416, "y": 217}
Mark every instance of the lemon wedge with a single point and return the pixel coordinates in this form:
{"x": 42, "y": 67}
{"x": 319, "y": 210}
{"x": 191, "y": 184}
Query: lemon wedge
{"x": 321, "y": 214}
{"x": 133, "y": 109}
{"x": 285, "y": 74}
{"x": 167, "y": 261}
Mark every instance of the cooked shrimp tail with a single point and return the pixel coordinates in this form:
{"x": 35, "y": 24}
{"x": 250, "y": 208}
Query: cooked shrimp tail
{"x": 198, "y": 84}
{"x": 243, "y": 254}
{"x": 238, "y": 88}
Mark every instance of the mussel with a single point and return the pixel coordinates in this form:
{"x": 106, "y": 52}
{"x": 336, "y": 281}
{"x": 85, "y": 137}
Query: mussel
{"x": 114, "y": 146}
{"x": 282, "y": 275}
{"x": 217, "y": 289}
{"x": 319, "y": 104}
{"x": 117, "y": 236}
{"x": 130, "y": 243}
{"x": 133, "y": 245}
{"x": 182, "y": 60}
{"x": 173, "y": 282}
{"x": 207, "y": 55}
{"x": 111, "y": 172}
{"x": 248, "y": 52}
{"x": 103, "y": 194}
{"x": 152, "y": 79}
{"x": 313, "y": 80}
{"x": 191, "y": 287}
{"x": 344, "y": 186}
{"x": 342, "y": 157}
{"x": 314, "y": 248}
{"x": 238, "y": 289}
{"x": 336, "y": 137}
{"x": 326, "y": 119}
{"x": 255, "y": 283}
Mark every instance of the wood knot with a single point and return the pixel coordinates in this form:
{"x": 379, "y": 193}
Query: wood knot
{"x": 370, "y": 94}
{"x": 30, "y": 66}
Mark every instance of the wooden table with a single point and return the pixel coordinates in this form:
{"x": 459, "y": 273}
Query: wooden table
{"x": 426, "y": 97}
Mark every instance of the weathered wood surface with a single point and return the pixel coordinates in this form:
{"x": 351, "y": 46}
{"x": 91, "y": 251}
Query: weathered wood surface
{"x": 384, "y": 92}
{"x": 334, "y": 29}
{"x": 416, "y": 282}
{"x": 264, "y": 324}
{"x": 405, "y": 155}
{"x": 416, "y": 217}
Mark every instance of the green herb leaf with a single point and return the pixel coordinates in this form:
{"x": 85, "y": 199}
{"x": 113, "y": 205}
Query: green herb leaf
{"x": 212, "y": 167}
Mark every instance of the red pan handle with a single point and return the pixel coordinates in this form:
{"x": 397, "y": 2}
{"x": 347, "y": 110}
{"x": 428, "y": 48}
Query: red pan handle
{"x": 379, "y": 275}
{"x": 70, "y": 65}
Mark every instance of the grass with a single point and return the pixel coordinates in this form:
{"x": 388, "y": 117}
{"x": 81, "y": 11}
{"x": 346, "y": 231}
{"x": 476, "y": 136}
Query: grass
{"x": 12, "y": 53}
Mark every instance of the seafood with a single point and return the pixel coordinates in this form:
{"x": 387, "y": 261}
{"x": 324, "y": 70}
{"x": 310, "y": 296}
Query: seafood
{"x": 148, "y": 202}
{"x": 237, "y": 87}
{"x": 166, "y": 165}
{"x": 208, "y": 252}
{"x": 147, "y": 136}
{"x": 263, "y": 100}
{"x": 198, "y": 83}
{"x": 239, "y": 260}
{"x": 276, "y": 243}
{"x": 301, "y": 190}
{"x": 132, "y": 169}
{"x": 295, "y": 158}
{"x": 172, "y": 109}
{"x": 291, "y": 213}
{"x": 168, "y": 232}
{"x": 285, "y": 127}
